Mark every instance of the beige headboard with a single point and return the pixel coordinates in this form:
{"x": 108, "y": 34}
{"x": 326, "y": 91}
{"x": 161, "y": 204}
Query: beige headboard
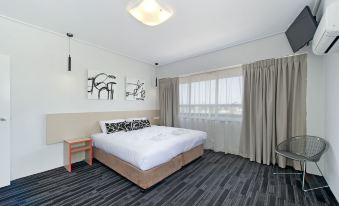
{"x": 60, "y": 127}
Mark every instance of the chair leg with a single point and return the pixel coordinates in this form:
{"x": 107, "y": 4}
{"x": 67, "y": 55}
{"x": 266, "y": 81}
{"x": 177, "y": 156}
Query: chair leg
{"x": 314, "y": 188}
{"x": 304, "y": 173}
{"x": 286, "y": 173}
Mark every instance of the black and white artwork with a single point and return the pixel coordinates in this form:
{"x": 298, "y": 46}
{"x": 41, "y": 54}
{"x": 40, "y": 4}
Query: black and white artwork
{"x": 101, "y": 85}
{"x": 135, "y": 89}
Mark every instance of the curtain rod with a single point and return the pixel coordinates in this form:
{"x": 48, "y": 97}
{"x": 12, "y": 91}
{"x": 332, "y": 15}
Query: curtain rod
{"x": 291, "y": 55}
{"x": 228, "y": 67}
{"x": 210, "y": 71}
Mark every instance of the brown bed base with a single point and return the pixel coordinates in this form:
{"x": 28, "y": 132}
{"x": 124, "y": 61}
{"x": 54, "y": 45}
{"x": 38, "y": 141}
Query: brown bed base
{"x": 148, "y": 178}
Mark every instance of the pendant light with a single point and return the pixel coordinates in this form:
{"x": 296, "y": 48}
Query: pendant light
{"x": 156, "y": 78}
{"x": 69, "y": 35}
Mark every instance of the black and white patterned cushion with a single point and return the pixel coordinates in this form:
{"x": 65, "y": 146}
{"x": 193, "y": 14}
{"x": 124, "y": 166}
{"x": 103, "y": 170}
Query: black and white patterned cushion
{"x": 137, "y": 124}
{"x": 145, "y": 123}
{"x": 114, "y": 127}
{"x": 128, "y": 126}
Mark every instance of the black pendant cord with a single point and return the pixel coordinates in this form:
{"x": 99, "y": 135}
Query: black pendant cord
{"x": 69, "y": 52}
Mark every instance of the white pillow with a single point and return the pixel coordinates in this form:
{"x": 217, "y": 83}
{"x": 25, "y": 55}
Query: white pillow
{"x": 136, "y": 118}
{"x": 103, "y": 124}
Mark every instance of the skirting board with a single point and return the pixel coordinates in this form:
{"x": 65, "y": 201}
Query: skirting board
{"x": 60, "y": 127}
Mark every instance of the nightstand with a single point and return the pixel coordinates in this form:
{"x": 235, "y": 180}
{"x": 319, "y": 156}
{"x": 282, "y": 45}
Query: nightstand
{"x": 74, "y": 146}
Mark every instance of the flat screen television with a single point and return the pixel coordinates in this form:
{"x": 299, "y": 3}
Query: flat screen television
{"x": 302, "y": 29}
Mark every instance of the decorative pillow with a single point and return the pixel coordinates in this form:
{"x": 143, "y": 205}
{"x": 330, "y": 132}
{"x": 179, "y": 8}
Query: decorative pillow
{"x": 128, "y": 126}
{"x": 114, "y": 127}
{"x": 103, "y": 123}
{"x": 137, "y": 124}
{"x": 145, "y": 123}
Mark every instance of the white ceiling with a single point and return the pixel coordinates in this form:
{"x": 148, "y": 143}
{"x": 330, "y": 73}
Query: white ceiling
{"x": 197, "y": 26}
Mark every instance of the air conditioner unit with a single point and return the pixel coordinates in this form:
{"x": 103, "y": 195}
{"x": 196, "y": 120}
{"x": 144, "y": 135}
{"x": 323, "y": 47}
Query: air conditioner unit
{"x": 326, "y": 38}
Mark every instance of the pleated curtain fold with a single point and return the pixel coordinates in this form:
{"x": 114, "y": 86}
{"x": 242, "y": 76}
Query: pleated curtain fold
{"x": 274, "y": 106}
{"x": 169, "y": 101}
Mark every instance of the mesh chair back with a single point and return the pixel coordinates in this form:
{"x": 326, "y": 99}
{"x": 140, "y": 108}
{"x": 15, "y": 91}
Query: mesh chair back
{"x": 310, "y": 148}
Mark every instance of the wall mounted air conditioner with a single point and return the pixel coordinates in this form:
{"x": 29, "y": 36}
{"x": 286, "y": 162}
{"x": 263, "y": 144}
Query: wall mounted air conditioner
{"x": 326, "y": 38}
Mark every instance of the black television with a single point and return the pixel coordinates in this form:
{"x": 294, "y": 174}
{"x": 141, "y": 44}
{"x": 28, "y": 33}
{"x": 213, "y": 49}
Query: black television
{"x": 302, "y": 29}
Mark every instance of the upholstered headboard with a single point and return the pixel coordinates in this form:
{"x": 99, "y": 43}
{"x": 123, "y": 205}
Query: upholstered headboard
{"x": 60, "y": 127}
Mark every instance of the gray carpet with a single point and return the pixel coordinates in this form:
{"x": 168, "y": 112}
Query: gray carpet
{"x": 214, "y": 179}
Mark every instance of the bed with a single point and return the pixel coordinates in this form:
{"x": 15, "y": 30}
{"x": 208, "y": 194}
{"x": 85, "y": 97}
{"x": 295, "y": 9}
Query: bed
{"x": 148, "y": 155}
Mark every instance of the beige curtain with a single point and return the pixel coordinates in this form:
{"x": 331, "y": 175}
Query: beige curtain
{"x": 169, "y": 101}
{"x": 274, "y": 106}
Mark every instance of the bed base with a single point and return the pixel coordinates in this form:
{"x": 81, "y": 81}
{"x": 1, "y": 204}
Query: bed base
{"x": 148, "y": 178}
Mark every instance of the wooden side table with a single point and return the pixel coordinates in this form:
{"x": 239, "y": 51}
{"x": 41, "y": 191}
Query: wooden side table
{"x": 72, "y": 146}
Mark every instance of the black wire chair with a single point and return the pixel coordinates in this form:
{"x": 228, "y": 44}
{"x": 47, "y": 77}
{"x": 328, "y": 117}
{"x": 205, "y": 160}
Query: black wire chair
{"x": 303, "y": 148}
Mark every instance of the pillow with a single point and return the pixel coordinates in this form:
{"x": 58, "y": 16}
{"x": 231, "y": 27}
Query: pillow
{"x": 128, "y": 126}
{"x": 103, "y": 124}
{"x": 137, "y": 124}
{"x": 145, "y": 123}
{"x": 114, "y": 127}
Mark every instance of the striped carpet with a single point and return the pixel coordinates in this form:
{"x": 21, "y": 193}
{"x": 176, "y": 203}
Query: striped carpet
{"x": 214, "y": 179}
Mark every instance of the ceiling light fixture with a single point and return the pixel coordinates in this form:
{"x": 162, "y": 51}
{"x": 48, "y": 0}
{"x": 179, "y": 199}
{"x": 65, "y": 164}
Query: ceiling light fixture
{"x": 150, "y": 12}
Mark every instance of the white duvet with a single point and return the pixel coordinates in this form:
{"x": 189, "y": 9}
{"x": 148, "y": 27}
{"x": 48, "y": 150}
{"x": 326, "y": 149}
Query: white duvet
{"x": 149, "y": 147}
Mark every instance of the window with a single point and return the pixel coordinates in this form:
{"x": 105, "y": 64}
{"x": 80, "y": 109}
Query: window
{"x": 215, "y": 95}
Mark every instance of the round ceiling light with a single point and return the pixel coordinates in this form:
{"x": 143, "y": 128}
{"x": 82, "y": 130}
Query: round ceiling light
{"x": 150, "y": 12}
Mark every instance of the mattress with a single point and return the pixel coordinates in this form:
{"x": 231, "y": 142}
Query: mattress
{"x": 149, "y": 147}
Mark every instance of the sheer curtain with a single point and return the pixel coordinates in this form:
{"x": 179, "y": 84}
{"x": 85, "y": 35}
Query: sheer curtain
{"x": 211, "y": 102}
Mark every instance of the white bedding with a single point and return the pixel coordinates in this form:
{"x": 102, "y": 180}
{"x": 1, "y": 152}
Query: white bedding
{"x": 149, "y": 147}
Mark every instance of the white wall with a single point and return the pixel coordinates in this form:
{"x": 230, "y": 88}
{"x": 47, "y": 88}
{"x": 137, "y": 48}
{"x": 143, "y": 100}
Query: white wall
{"x": 275, "y": 46}
{"x": 5, "y": 115}
{"x": 272, "y": 47}
{"x": 331, "y": 66}
{"x": 41, "y": 84}
{"x": 331, "y": 157}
